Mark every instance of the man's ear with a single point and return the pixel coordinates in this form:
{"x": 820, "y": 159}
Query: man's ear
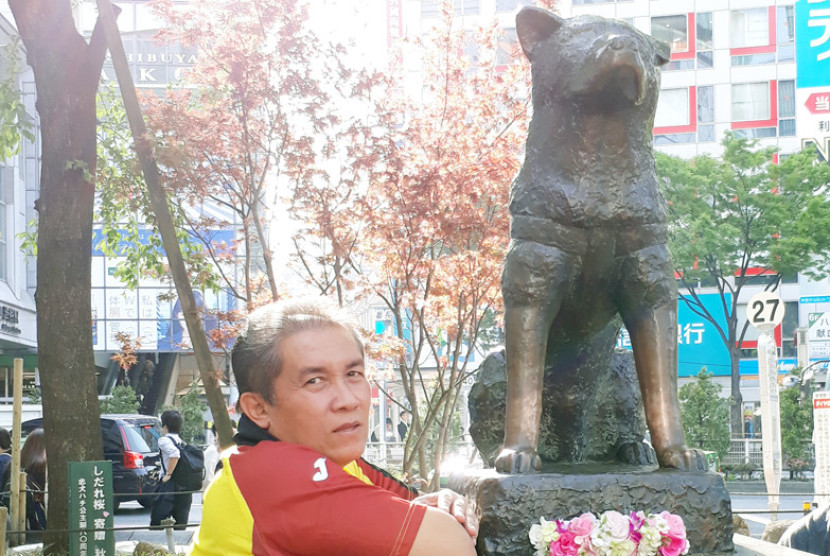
{"x": 255, "y": 407}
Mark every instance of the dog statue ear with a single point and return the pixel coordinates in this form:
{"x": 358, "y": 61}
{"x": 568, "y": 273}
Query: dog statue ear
{"x": 663, "y": 51}
{"x": 533, "y": 25}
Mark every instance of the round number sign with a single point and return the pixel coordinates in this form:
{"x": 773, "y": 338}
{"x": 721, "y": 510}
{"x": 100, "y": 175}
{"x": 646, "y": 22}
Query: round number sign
{"x": 765, "y": 311}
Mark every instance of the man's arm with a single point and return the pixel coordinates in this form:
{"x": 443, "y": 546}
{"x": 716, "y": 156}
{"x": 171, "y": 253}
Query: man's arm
{"x": 441, "y": 533}
{"x": 172, "y": 463}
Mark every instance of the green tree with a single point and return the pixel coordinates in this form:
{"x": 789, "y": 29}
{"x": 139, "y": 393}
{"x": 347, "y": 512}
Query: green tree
{"x": 796, "y": 424}
{"x": 192, "y": 408}
{"x": 123, "y": 400}
{"x": 705, "y": 414}
{"x": 738, "y": 214}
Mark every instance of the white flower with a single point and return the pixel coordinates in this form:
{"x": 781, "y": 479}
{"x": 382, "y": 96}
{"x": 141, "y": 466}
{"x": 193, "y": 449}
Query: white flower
{"x": 542, "y": 534}
{"x": 615, "y": 525}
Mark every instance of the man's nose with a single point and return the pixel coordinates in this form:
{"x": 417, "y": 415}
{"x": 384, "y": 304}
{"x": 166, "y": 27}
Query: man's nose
{"x": 346, "y": 395}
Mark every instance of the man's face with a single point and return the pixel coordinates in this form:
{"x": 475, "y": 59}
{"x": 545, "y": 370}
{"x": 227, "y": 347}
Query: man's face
{"x": 322, "y": 395}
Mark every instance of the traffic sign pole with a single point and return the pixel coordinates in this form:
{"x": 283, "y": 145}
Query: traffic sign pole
{"x": 765, "y": 311}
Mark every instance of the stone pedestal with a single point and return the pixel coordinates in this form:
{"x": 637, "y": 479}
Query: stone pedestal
{"x": 510, "y": 504}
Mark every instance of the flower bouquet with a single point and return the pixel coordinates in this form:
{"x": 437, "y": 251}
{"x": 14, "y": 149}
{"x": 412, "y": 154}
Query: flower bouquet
{"x": 611, "y": 534}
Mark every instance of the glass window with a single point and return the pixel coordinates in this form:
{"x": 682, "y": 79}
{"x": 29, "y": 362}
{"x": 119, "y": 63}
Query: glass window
{"x": 508, "y": 47}
{"x": 786, "y": 99}
{"x": 706, "y": 104}
{"x": 4, "y": 233}
{"x": 756, "y": 132}
{"x": 512, "y": 5}
{"x": 750, "y": 102}
{"x": 672, "y": 108}
{"x": 706, "y": 133}
{"x": 705, "y": 59}
{"x": 754, "y": 59}
{"x": 749, "y": 27}
{"x": 674, "y": 138}
{"x": 784, "y": 25}
{"x": 466, "y": 7}
{"x": 673, "y": 30}
{"x": 703, "y": 31}
{"x": 429, "y": 8}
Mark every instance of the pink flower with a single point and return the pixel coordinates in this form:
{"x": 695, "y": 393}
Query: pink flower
{"x": 674, "y": 540}
{"x": 673, "y": 546}
{"x": 565, "y": 545}
{"x": 583, "y": 525}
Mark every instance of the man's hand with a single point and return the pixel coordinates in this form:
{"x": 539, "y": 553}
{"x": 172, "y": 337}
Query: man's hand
{"x": 455, "y": 505}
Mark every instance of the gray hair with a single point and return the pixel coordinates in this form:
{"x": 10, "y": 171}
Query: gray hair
{"x": 256, "y": 356}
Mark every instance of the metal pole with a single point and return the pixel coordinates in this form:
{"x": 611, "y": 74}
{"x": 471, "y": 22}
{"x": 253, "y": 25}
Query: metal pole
{"x": 770, "y": 418}
{"x": 14, "y": 483}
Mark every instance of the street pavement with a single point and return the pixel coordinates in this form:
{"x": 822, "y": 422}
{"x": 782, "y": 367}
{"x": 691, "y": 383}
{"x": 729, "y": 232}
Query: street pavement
{"x": 132, "y": 523}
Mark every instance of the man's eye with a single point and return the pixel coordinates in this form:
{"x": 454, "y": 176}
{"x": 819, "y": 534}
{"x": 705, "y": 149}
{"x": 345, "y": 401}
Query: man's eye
{"x": 315, "y": 380}
{"x": 355, "y": 373}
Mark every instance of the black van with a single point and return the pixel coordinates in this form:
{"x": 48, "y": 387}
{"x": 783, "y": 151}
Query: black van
{"x": 131, "y": 444}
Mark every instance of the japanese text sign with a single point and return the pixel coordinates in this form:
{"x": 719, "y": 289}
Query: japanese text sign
{"x": 90, "y": 509}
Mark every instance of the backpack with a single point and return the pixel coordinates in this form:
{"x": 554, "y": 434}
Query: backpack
{"x": 190, "y": 470}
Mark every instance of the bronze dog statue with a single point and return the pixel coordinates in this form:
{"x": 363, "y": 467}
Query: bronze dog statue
{"x": 588, "y": 230}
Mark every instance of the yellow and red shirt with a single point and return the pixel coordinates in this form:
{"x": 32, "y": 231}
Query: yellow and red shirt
{"x": 280, "y": 499}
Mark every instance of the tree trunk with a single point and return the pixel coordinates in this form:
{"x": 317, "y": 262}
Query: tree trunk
{"x": 736, "y": 400}
{"x": 66, "y": 70}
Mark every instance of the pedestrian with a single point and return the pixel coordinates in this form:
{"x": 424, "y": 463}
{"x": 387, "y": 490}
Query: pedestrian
{"x": 402, "y": 426}
{"x": 297, "y": 483}
{"x": 171, "y": 500}
{"x": 33, "y": 462}
{"x": 5, "y": 450}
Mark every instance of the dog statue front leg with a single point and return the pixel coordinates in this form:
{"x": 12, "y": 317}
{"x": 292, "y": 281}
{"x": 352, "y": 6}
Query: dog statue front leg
{"x": 526, "y": 330}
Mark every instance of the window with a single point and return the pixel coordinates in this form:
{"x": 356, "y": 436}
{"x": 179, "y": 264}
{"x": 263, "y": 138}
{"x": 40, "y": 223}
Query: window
{"x": 703, "y": 40}
{"x": 466, "y": 7}
{"x": 750, "y": 102}
{"x": 786, "y": 108}
{"x": 785, "y": 33}
{"x": 583, "y": 2}
{"x": 672, "y": 108}
{"x": 673, "y": 30}
{"x": 3, "y": 231}
{"x": 689, "y": 36}
{"x": 429, "y": 8}
{"x": 752, "y": 36}
{"x": 675, "y": 120}
{"x": 508, "y": 47}
{"x": 749, "y": 28}
{"x": 706, "y": 114}
{"x": 764, "y": 109}
{"x": 512, "y": 5}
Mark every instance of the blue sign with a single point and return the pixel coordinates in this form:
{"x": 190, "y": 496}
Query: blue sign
{"x": 698, "y": 342}
{"x": 815, "y": 299}
{"x": 812, "y": 43}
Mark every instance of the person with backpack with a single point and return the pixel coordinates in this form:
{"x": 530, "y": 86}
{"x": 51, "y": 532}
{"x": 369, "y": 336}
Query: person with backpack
{"x": 172, "y": 499}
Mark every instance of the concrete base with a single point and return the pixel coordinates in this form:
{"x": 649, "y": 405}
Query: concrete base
{"x": 510, "y": 504}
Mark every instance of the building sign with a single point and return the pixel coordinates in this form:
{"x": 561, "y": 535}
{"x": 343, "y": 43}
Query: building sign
{"x": 812, "y": 33}
{"x": 698, "y": 342}
{"x": 151, "y": 312}
{"x": 818, "y": 334}
{"x": 821, "y": 440}
{"x": 152, "y": 64}
{"x": 90, "y": 509}
{"x": 9, "y": 320}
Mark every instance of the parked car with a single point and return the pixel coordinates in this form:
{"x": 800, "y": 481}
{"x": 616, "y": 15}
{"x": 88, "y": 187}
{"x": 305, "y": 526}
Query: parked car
{"x": 131, "y": 443}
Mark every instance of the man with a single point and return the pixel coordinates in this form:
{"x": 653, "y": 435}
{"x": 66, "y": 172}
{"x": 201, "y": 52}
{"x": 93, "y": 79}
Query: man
{"x": 402, "y": 426}
{"x": 171, "y": 500}
{"x": 297, "y": 484}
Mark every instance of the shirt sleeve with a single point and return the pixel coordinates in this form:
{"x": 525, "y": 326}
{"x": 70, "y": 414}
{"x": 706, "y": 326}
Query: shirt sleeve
{"x": 168, "y": 447}
{"x": 313, "y": 507}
